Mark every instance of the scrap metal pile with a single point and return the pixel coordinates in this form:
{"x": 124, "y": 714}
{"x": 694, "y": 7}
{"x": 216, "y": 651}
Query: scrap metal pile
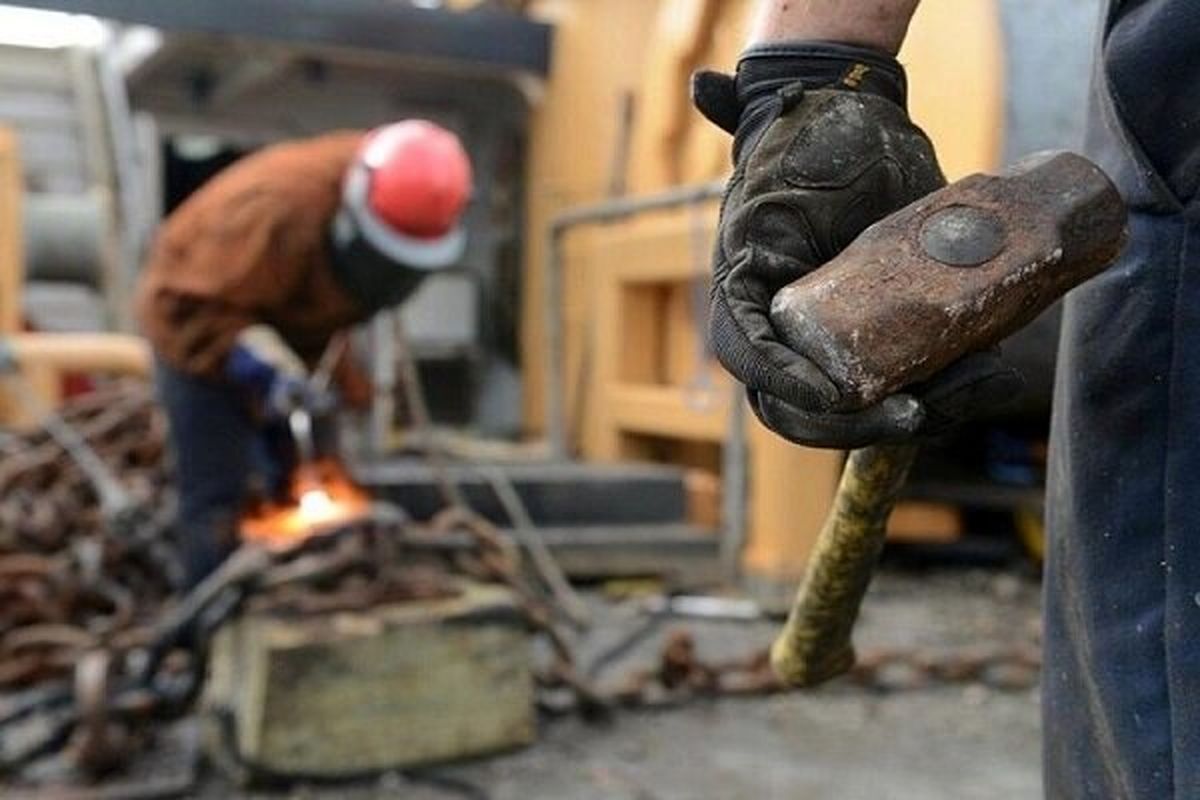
{"x": 98, "y": 647}
{"x": 70, "y": 579}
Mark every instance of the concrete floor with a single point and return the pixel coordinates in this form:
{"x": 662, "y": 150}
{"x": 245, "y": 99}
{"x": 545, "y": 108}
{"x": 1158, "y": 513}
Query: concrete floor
{"x": 839, "y": 743}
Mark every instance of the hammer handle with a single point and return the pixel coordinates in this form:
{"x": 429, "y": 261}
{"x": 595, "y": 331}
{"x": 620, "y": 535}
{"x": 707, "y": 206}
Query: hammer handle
{"x": 814, "y": 644}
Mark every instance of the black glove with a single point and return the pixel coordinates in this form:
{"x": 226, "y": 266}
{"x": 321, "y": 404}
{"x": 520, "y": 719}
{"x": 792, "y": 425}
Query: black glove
{"x": 823, "y": 147}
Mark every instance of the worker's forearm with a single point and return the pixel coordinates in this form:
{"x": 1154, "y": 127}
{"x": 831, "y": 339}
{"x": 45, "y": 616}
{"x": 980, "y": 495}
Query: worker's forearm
{"x": 873, "y": 23}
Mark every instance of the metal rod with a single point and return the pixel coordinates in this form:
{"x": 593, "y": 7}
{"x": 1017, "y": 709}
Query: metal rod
{"x": 334, "y": 351}
{"x": 734, "y": 487}
{"x": 491, "y": 42}
{"x": 530, "y": 538}
{"x": 383, "y": 384}
{"x": 300, "y": 425}
{"x": 422, "y": 420}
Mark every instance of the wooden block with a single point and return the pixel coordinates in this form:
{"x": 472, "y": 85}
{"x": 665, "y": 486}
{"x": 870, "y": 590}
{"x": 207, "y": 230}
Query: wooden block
{"x": 665, "y": 411}
{"x": 115, "y": 353}
{"x": 661, "y": 247}
{"x": 44, "y": 359}
{"x": 577, "y": 321}
{"x": 791, "y": 490}
{"x": 601, "y": 440}
{"x": 685, "y": 355}
{"x": 12, "y": 258}
{"x": 396, "y": 686}
{"x": 914, "y": 521}
{"x": 703, "y": 498}
{"x": 44, "y": 387}
{"x": 640, "y": 338}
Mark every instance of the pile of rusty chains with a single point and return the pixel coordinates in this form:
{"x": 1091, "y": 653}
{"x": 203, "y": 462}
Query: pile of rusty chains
{"x": 46, "y": 499}
{"x": 90, "y": 645}
{"x": 79, "y": 583}
{"x": 81, "y": 588}
{"x": 71, "y": 580}
{"x": 86, "y": 624}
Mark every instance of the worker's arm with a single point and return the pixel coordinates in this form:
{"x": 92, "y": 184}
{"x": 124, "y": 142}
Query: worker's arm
{"x": 213, "y": 274}
{"x": 262, "y": 364}
{"x": 823, "y": 147}
{"x": 878, "y": 24}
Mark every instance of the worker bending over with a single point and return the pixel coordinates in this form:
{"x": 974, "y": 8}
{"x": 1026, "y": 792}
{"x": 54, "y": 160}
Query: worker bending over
{"x": 250, "y": 278}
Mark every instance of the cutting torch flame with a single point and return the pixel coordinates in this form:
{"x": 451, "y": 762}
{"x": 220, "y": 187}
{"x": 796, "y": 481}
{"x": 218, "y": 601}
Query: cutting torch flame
{"x": 316, "y": 505}
{"x": 323, "y": 498}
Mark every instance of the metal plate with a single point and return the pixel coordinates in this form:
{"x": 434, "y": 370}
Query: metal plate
{"x": 486, "y": 38}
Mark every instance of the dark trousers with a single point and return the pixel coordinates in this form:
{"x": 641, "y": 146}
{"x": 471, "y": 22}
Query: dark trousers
{"x": 1121, "y": 680}
{"x": 219, "y": 449}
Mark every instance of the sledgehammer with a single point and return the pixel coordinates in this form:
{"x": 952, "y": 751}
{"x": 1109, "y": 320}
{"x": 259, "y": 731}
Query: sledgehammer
{"x": 951, "y": 274}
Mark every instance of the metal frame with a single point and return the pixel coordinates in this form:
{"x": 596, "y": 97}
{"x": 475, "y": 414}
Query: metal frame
{"x": 734, "y": 449}
{"x": 488, "y": 38}
{"x": 552, "y": 281}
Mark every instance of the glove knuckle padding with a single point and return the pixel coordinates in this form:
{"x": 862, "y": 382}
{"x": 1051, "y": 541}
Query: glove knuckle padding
{"x": 780, "y": 226}
{"x": 814, "y": 167}
{"x": 828, "y": 168}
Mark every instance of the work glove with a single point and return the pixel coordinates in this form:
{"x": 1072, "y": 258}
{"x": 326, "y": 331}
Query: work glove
{"x": 823, "y": 147}
{"x": 263, "y": 365}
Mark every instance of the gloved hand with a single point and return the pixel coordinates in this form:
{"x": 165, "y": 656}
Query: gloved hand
{"x": 263, "y": 364}
{"x": 823, "y": 147}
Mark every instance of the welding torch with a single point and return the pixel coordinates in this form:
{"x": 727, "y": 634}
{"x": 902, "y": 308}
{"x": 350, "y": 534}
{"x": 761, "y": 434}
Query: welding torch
{"x": 313, "y": 399}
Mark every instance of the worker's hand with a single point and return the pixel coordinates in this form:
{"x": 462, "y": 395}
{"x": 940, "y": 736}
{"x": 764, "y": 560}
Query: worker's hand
{"x": 286, "y": 394}
{"x": 823, "y": 147}
{"x": 263, "y": 364}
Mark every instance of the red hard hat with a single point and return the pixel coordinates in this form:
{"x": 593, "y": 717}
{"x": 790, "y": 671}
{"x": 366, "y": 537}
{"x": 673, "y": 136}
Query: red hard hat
{"x": 420, "y": 178}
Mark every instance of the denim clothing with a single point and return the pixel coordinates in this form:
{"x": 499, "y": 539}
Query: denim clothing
{"x": 219, "y": 451}
{"x": 1121, "y": 678}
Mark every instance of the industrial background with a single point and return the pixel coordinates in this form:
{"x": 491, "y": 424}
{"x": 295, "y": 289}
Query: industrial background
{"x": 552, "y": 395}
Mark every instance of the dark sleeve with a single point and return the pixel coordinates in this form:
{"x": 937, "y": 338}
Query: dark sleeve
{"x": 1152, "y": 58}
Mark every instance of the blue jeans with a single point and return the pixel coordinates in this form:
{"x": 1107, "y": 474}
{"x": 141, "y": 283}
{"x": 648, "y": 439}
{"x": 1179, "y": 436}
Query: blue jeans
{"x": 1121, "y": 680}
{"x": 219, "y": 449}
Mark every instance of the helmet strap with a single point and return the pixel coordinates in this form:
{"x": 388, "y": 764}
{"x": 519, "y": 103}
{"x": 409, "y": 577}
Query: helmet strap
{"x": 372, "y": 278}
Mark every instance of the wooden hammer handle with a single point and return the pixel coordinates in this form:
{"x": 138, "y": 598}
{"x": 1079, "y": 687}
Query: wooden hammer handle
{"x": 814, "y": 644}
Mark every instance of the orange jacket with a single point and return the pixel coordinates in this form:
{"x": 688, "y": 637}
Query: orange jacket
{"x": 251, "y": 246}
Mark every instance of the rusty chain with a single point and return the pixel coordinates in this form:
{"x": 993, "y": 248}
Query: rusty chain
{"x": 681, "y": 675}
{"x": 97, "y": 646}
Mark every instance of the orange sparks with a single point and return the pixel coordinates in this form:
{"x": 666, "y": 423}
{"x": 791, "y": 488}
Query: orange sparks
{"x": 323, "y": 497}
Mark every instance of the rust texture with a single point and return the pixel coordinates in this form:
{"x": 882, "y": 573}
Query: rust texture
{"x": 953, "y": 273}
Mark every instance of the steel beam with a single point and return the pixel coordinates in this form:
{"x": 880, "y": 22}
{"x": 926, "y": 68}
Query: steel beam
{"x": 483, "y": 37}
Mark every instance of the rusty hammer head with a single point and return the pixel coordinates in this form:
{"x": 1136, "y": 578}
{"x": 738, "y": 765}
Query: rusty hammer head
{"x": 951, "y": 274}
